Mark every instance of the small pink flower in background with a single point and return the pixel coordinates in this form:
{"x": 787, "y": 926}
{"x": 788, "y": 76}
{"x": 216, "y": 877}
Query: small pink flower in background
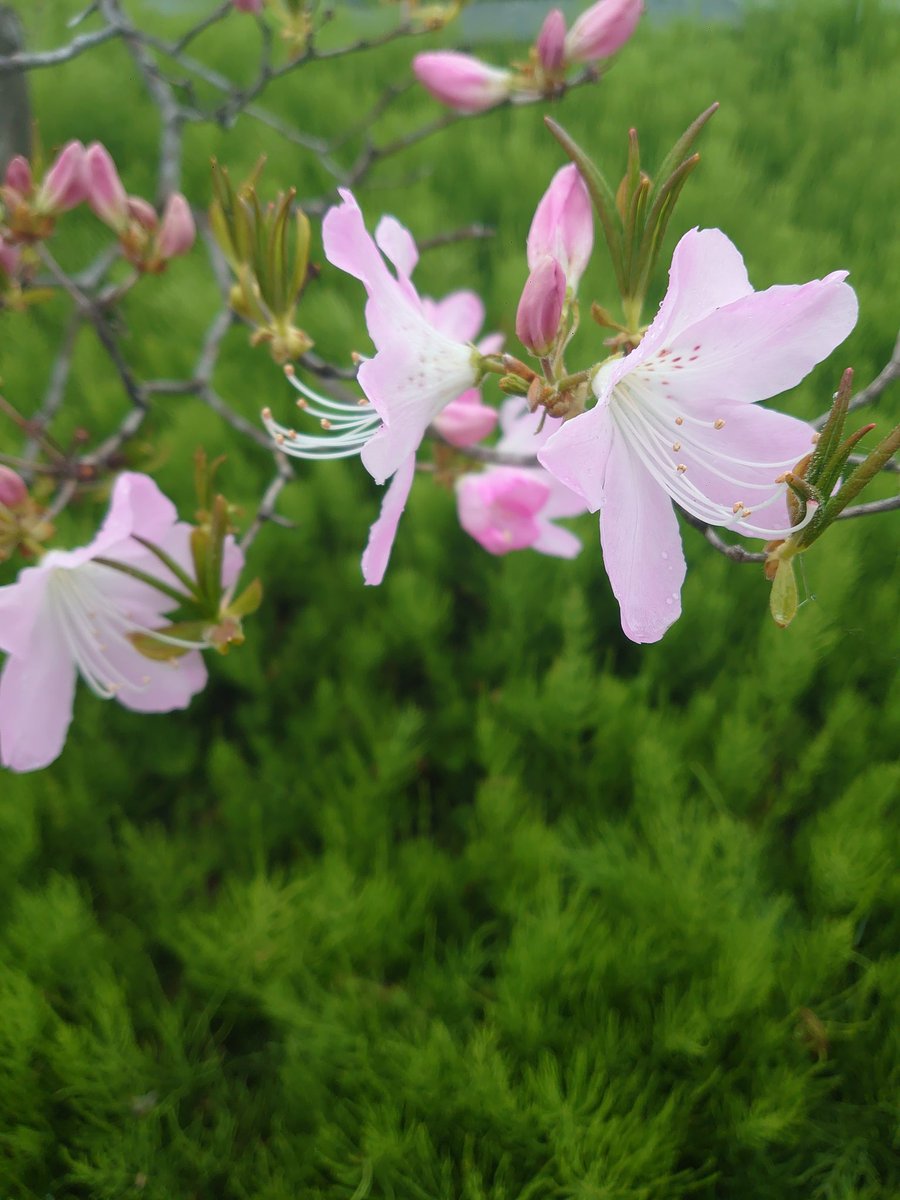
{"x": 461, "y": 81}
{"x": 421, "y": 365}
{"x": 513, "y": 508}
{"x": 72, "y": 615}
{"x": 250, "y": 6}
{"x": 602, "y": 30}
{"x": 13, "y": 491}
{"x": 466, "y": 420}
{"x": 541, "y": 305}
{"x": 563, "y": 225}
{"x": 550, "y": 44}
{"x": 65, "y": 184}
{"x": 177, "y": 230}
{"x": 675, "y": 420}
{"x": 105, "y": 192}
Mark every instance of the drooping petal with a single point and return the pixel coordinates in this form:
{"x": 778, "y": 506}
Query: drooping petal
{"x": 641, "y": 547}
{"x": 499, "y": 508}
{"x": 36, "y": 694}
{"x": 578, "y": 452}
{"x": 384, "y": 529}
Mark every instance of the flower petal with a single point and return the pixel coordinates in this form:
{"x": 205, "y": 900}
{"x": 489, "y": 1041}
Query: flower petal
{"x": 554, "y": 540}
{"x": 397, "y": 244}
{"x": 384, "y": 529}
{"x": 158, "y": 686}
{"x": 36, "y": 694}
{"x": 577, "y": 454}
{"x": 641, "y": 546}
{"x": 458, "y": 316}
{"x": 760, "y": 345}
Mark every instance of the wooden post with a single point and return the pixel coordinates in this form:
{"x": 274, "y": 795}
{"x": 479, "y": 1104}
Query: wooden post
{"x": 15, "y": 109}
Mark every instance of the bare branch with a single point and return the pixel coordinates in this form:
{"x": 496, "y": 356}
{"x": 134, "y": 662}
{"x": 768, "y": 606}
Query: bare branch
{"x": 730, "y": 549}
{"x": 266, "y": 510}
{"x": 882, "y": 380}
{"x": 63, "y": 54}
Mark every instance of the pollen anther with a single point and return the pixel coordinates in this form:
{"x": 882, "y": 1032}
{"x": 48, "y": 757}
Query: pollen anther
{"x": 718, "y": 423}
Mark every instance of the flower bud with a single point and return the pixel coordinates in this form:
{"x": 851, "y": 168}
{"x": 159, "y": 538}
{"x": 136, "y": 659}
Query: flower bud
{"x": 461, "y": 81}
{"x": 541, "y": 305}
{"x": 563, "y": 225}
{"x": 602, "y": 30}
{"x": 142, "y": 213}
{"x": 466, "y": 420}
{"x": 13, "y": 491}
{"x": 177, "y": 231}
{"x": 65, "y": 184}
{"x": 550, "y": 44}
{"x": 105, "y": 193}
{"x": 18, "y": 176}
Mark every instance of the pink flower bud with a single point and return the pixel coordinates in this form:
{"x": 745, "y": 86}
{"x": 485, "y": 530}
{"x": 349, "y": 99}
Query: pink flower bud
{"x": 461, "y": 81}
{"x": 550, "y": 44}
{"x": 500, "y": 507}
{"x": 105, "y": 193}
{"x": 65, "y": 184}
{"x": 13, "y": 491}
{"x": 18, "y": 176}
{"x": 541, "y": 305}
{"x": 563, "y": 225}
{"x": 466, "y": 420}
{"x": 250, "y": 6}
{"x": 142, "y": 213}
{"x": 177, "y": 232}
{"x": 603, "y": 29}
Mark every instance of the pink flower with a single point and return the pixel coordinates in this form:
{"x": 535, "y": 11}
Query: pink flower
{"x": 675, "y": 420}
{"x": 417, "y": 371}
{"x": 563, "y": 225}
{"x": 513, "y": 508}
{"x": 550, "y": 44}
{"x": 250, "y": 6}
{"x": 177, "y": 231}
{"x": 72, "y": 615}
{"x": 461, "y": 81}
{"x": 105, "y": 193}
{"x": 602, "y": 30}
{"x": 541, "y": 305}
{"x": 65, "y": 184}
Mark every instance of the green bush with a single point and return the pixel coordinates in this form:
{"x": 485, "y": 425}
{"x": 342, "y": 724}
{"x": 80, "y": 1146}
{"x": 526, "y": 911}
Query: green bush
{"x": 443, "y": 889}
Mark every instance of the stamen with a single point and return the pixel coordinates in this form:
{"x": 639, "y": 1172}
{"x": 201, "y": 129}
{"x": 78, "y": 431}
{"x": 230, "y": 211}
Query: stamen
{"x": 718, "y": 423}
{"x": 679, "y": 420}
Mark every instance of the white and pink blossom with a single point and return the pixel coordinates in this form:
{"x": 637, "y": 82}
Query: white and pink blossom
{"x": 675, "y": 420}
{"x": 424, "y": 361}
{"x": 73, "y": 615}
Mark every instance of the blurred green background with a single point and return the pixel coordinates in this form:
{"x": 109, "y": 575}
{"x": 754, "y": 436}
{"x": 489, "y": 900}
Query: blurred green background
{"x": 444, "y": 889}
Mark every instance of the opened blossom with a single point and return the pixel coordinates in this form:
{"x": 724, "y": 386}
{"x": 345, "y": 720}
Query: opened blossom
{"x": 676, "y": 421}
{"x": 73, "y": 615}
{"x": 508, "y": 508}
{"x": 424, "y": 360}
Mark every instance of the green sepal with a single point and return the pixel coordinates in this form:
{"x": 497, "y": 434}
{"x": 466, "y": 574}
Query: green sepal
{"x": 674, "y": 158}
{"x": 248, "y": 601}
{"x": 160, "y": 651}
{"x": 783, "y": 600}
{"x": 602, "y": 196}
{"x": 833, "y": 429}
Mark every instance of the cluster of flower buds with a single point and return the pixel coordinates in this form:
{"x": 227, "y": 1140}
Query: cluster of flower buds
{"x": 270, "y": 264}
{"x": 147, "y": 241}
{"x": 30, "y": 211}
{"x": 469, "y": 85}
{"x": 22, "y": 526}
